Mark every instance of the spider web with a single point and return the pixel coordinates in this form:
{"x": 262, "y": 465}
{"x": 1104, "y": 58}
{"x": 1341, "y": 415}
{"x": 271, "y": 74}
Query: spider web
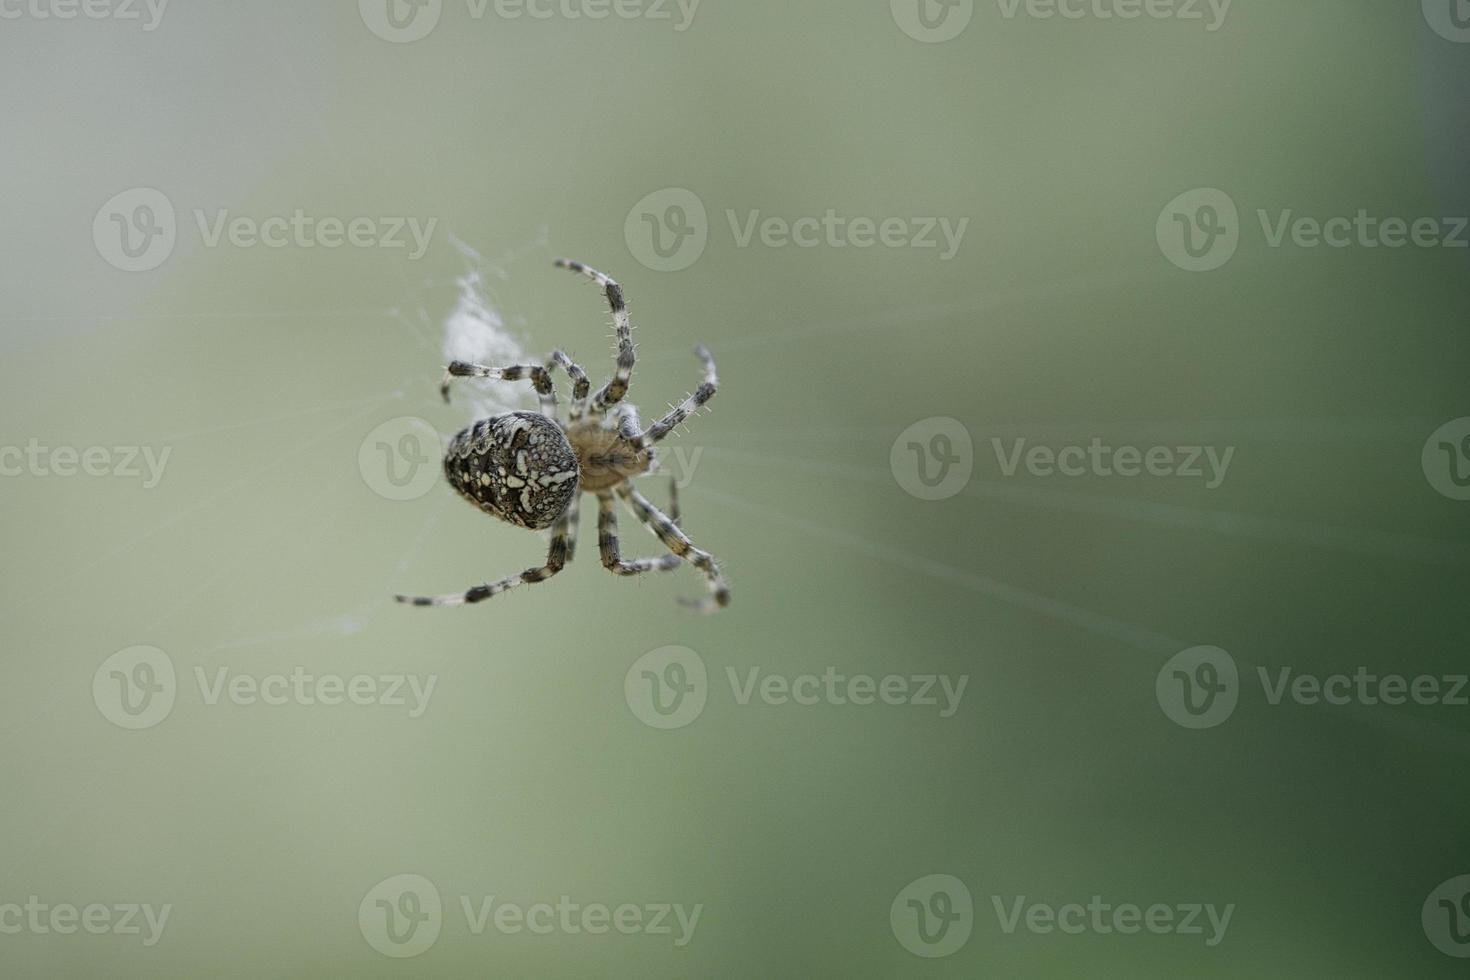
{"x": 471, "y": 326}
{"x": 475, "y": 331}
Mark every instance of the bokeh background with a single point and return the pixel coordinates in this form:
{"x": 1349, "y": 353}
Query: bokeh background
{"x": 267, "y": 545}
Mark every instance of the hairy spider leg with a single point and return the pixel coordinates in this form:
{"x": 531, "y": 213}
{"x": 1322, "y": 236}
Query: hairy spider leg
{"x": 678, "y": 542}
{"x": 556, "y": 559}
{"x": 540, "y": 379}
{"x": 607, "y": 544}
{"x": 691, "y": 404}
{"x": 580, "y": 387}
{"x": 612, "y": 392}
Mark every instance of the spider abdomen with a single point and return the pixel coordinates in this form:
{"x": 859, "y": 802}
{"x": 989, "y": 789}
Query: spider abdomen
{"x": 527, "y": 468}
{"x": 518, "y": 467}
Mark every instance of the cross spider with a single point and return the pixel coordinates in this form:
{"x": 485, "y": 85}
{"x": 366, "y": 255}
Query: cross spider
{"x": 526, "y": 467}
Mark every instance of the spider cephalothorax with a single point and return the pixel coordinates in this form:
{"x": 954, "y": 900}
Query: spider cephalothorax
{"x": 526, "y": 468}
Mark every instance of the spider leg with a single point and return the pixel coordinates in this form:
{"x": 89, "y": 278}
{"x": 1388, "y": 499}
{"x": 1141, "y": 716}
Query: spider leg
{"x": 678, "y": 542}
{"x": 689, "y": 405}
{"x": 556, "y": 559}
{"x": 573, "y": 517}
{"x": 580, "y": 386}
{"x": 540, "y": 380}
{"x": 612, "y": 392}
{"x": 607, "y": 543}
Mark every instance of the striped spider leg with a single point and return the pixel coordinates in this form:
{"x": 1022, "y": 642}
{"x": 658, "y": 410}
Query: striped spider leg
{"x": 530, "y": 468}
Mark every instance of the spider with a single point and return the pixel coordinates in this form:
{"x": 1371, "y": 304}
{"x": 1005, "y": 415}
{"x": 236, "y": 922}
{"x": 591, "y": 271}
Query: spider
{"x": 526, "y": 468}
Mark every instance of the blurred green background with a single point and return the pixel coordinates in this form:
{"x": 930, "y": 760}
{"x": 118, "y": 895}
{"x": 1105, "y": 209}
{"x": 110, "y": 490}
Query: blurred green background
{"x": 266, "y": 547}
